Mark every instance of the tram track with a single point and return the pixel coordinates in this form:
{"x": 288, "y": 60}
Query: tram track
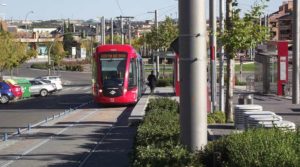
{"x": 99, "y": 142}
{"x": 83, "y": 116}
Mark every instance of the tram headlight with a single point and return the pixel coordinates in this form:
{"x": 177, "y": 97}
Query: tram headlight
{"x": 100, "y": 90}
{"x": 125, "y": 90}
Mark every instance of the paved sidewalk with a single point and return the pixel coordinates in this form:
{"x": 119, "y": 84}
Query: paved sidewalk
{"x": 279, "y": 104}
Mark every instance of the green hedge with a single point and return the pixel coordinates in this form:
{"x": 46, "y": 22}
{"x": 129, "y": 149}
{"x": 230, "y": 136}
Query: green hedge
{"x": 216, "y": 117}
{"x": 39, "y": 65}
{"x": 158, "y": 143}
{"x": 66, "y": 66}
{"x": 254, "y": 148}
{"x": 157, "y": 140}
{"x": 164, "y": 82}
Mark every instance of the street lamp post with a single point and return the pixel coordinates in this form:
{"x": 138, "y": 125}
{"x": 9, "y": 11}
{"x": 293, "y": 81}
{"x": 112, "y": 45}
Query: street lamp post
{"x": 157, "y": 57}
{"x": 30, "y": 12}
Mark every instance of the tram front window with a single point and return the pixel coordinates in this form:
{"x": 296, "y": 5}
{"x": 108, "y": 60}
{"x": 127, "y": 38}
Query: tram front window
{"x": 113, "y": 71}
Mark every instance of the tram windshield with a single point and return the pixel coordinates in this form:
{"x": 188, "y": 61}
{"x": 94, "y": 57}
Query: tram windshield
{"x": 113, "y": 69}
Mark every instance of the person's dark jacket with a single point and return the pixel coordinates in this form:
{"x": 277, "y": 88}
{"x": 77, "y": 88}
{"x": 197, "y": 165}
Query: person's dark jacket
{"x": 151, "y": 80}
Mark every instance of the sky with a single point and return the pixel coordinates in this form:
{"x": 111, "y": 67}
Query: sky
{"x": 94, "y": 9}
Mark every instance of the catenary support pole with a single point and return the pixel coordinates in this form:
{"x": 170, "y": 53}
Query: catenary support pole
{"x": 221, "y": 62}
{"x": 129, "y": 32}
{"x": 111, "y": 31}
{"x": 296, "y": 42}
{"x": 122, "y": 31}
{"x": 103, "y": 30}
{"x": 157, "y": 56}
{"x": 193, "y": 75}
{"x": 213, "y": 43}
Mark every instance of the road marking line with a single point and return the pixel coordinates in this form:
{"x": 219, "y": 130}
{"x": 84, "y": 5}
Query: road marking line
{"x": 44, "y": 141}
{"x": 93, "y": 150}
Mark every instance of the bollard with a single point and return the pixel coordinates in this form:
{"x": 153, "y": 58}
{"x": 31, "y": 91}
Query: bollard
{"x": 249, "y": 99}
{"x": 5, "y": 137}
{"x": 29, "y": 127}
{"x": 46, "y": 119}
{"x": 19, "y": 131}
{"x": 241, "y": 99}
{"x": 53, "y": 117}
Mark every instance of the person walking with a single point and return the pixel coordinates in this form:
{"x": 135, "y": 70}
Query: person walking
{"x": 152, "y": 81}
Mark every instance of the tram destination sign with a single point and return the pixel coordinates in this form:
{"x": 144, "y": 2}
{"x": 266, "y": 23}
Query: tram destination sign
{"x": 112, "y": 55}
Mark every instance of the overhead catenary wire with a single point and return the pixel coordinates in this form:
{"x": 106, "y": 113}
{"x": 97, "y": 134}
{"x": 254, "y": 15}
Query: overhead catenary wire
{"x": 119, "y": 6}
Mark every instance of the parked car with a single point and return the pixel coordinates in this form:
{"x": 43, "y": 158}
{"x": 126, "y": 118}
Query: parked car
{"x": 38, "y": 87}
{"x": 15, "y": 88}
{"x": 54, "y": 79}
{"x": 6, "y": 93}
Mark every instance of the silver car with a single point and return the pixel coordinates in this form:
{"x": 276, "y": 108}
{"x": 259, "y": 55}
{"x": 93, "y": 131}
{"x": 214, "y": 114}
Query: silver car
{"x": 39, "y": 87}
{"x": 53, "y": 79}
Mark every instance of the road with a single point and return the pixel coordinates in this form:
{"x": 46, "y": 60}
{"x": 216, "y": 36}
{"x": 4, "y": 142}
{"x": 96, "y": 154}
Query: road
{"x": 33, "y": 110}
{"x": 91, "y": 136}
{"x": 68, "y": 77}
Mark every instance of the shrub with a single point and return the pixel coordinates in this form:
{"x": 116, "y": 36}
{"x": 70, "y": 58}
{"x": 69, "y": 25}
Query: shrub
{"x": 216, "y": 117}
{"x": 68, "y": 66}
{"x": 170, "y": 156}
{"x": 39, "y": 65}
{"x": 74, "y": 67}
{"x": 257, "y": 147}
{"x": 162, "y": 104}
{"x": 157, "y": 141}
{"x": 164, "y": 82}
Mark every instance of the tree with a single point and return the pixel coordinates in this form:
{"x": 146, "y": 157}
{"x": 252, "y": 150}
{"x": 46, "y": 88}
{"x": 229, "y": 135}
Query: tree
{"x": 68, "y": 41}
{"x": 57, "y": 53}
{"x": 240, "y": 34}
{"x": 88, "y": 45}
{"x": 162, "y": 37}
{"x": 12, "y": 52}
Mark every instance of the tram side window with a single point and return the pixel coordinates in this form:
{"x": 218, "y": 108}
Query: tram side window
{"x": 132, "y": 80}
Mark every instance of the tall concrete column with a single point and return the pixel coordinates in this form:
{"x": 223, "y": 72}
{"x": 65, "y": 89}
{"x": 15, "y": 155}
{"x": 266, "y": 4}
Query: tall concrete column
{"x": 129, "y": 32}
{"x": 221, "y": 62}
{"x": 193, "y": 75}
{"x": 111, "y": 31}
{"x": 103, "y": 30}
{"x": 122, "y": 31}
{"x": 157, "y": 56}
{"x": 213, "y": 43}
{"x": 296, "y": 42}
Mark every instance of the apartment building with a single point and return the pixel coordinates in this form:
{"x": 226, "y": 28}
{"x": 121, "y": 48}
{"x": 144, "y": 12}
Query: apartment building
{"x": 280, "y": 22}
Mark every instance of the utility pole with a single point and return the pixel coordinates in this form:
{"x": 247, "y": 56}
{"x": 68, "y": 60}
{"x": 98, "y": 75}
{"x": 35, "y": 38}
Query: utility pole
{"x": 129, "y": 32}
{"x": 112, "y": 31}
{"x": 157, "y": 56}
{"x": 221, "y": 62}
{"x": 213, "y": 44}
{"x": 122, "y": 26}
{"x": 103, "y": 30}
{"x": 157, "y": 51}
{"x": 296, "y": 42}
{"x": 193, "y": 74}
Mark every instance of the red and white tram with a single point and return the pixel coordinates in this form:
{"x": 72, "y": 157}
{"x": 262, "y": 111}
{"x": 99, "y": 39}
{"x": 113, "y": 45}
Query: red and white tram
{"x": 118, "y": 75}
